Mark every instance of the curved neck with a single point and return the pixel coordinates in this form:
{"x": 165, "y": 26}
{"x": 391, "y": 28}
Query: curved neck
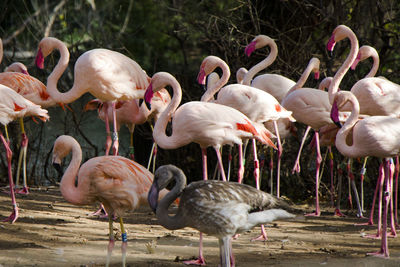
{"x": 303, "y": 78}
{"x": 375, "y": 66}
{"x": 342, "y": 134}
{"x": 176, "y": 221}
{"x": 261, "y": 65}
{"x": 213, "y": 89}
{"x": 333, "y": 88}
{"x": 159, "y": 135}
{"x": 69, "y": 191}
{"x": 55, "y": 75}
{"x": 1, "y": 50}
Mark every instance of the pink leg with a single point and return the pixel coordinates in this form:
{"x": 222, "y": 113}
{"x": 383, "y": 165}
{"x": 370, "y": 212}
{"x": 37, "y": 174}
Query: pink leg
{"x": 108, "y": 132}
{"x": 339, "y": 196}
{"x": 296, "y": 167}
{"x": 220, "y": 165}
{"x": 256, "y": 172}
{"x": 350, "y": 176}
{"x": 24, "y": 147}
{"x": 271, "y": 168}
{"x": 396, "y": 187}
{"x": 115, "y": 133}
{"x": 204, "y": 159}
{"x": 331, "y": 173}
{"x": 200, "y": 261}
{"x": 278, "y": 164}
{"x": 317, "y": 165}
{"x": 241, "y": 165}
{"x": 381, "y": 182}
{"x": 392, "y": 221}
{"x": 378, "y": 183}
{"x": 14, "y": 215}
{"x": 384, "y": 251}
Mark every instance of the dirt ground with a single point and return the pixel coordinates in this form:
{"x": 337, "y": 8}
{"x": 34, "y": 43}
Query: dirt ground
{"x": 52, "y": 232}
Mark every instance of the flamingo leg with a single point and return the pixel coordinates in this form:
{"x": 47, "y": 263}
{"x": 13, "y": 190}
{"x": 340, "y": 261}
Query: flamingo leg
{"x": 296, "y": 167}
{"x": 331, "y": 174}
{"x": 362, "y": 176}
{"x": 384, "y": 251}
{"x": 241, "y": 165}
{"x": 396, "y": 187}
{"x": 151, "y": 155}
{"x": 225, "y": 251}
{"x": 124, "y": 238}
{"x": 154, "y": 157}
{"x": 353, "y": 186}
{"x": 371, "y": 215}
{"x": 381, "y": 182}
{"x": 392, "y": 219}
{"x": 14, "y": 215}
{"x": 229, "y": 163}
{"x": 22, "y": 159}
{"x": 278, "y": 163}
{"x": 220, "y": 164}
{"x": 200, "y": 260}
{"x": 115, "y": 133}
{"x": 271, "y": 168}
{"x": 339, "y": 196}
{"x": 111, "y": 241}
{"x": 204, "y": 160}
{"x": 131, "y": 147}
{"x": 256, "y": 172}
{"x": 349, "y": 175}
{"x": 317, "y": 165}
{"x": 108, "y": 132}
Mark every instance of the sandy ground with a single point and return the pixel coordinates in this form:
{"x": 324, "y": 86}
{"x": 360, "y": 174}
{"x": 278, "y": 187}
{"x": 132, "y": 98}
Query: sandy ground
{"x": 52, "y": 232}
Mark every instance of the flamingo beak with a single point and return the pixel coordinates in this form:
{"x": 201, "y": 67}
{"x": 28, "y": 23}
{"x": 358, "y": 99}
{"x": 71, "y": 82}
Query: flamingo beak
{"x": 39, "y": 61}
{"x": 152, "y": 196}
{"x": 58, "y": 168}
{"x": 335, "y": 115}
{"x": 250, "y": 48}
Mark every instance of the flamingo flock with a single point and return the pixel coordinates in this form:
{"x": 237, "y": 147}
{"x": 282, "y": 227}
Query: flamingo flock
{"x": 360, "y": 122}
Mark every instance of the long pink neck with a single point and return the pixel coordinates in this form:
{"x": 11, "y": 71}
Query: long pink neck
{"x": 313, "y": 64}
{"x": 334, "y": 86}
{"x": 375, "y": 65}
{"x": 261, "y": 65}
{"x": 1, "y": 50}
{"x": 173, "y": 141}
{"x": 69, "y": 191}
{"x": 55, "y": 75}
{"x": 342, "y": 134}
{"x": 212, "y": 90}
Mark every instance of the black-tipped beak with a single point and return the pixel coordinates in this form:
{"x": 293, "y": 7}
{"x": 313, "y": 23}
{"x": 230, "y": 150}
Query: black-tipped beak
{"x": 57, "y": 166}
{"x": 140, "y": 102}
{"x": 152, "y": 197}
{"x": 204, "y": 87}
{"x": 148, "y": 105}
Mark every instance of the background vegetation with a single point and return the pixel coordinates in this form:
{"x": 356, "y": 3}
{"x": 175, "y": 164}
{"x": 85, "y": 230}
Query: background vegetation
{"x": 175, "y": 36}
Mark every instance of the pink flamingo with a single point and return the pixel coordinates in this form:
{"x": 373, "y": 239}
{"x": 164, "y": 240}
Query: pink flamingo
{"x": 13, "y": 106}
{"x": 129, "y": 113}
{"x": 256, "y": 104}
{"x": 374, "y": 136}
{"x": 274, "y": 84}
{"x": 207, "y": 124}
{"x": 106, "y": 74}
{"x": 365, "y": 52}
{"x": 117, "y": 182}
{"x": 376, "y": 95}
{"x": 16, "y": 77}
{"x": 221, "y": 209}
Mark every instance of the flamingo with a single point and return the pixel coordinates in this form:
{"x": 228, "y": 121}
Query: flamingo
{"x": 256, "y": 104}
{"x": 13, "y": 106}
{"x": 16, "y": 77}
{"x": 274, "y": 84}
{"x": 207, "y": 124}
{"x": 374, "y": 136}
{"x": 375, "y": 95}
{"x": 129, "y": 113}
{"x": 106, "y": 74}
{"x": 221, "y": 209}
{"x": 365, "y": 52}
{"x": 117, "y": 182}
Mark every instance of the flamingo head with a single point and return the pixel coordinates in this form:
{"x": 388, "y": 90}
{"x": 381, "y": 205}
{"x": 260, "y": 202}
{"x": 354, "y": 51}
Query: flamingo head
{"x": 39, "y": 61}
{"x": 316, "y": 75}
{"x": 208, "y": 65}
{"x": 331, "y": 43}
{"x": 148, "y": 96}
{"x": 250, "y": 48}
{"x": 17, "y": 67}
{"x": 355, "y": 62}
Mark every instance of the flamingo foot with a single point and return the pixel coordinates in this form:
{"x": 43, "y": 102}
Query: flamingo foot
{"x": 296, "y": 168}
{"x": 392, "y": 234}
{"x": 13, "y": 217}
{"x": 236, "y": 236}
{"x": 380, "y": 254}
{"x": 338, "y": 213}
{"x": 370, "y": 222}
{"x": 313, "y": 214}
{"x": 261, "y": 237}
{"x": 373, "y": 236}
{"x": 101, "y": 213}
{"x": 23, "y": 191}
{"x": 200, "y": 261}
